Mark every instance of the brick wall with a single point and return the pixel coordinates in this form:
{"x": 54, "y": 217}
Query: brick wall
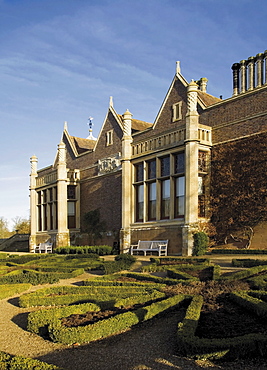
{"x": 171, "y": 233}
{"x": 243, "y": 115}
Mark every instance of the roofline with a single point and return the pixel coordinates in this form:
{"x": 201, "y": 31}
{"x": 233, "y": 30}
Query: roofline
{"x": 176, "y": 77}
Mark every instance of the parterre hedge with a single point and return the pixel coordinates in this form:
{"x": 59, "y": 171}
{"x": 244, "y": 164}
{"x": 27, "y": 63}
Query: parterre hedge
{"x": 66, "y": 295}
{"x": 239, "y": 251}
{"x": 8, "y": 290}
{"x": 252, "y": 344}
{"x": 154, "y": 279}
{"x": 248, "y": 262}
{"x": 36, "y": 277}
{"x": 244, "y": 273}
{"x": 10, "y": 362}
{"x": 110, "y": 326}
{"x": 183, "y": 260}
{"x": 101, "y": 250}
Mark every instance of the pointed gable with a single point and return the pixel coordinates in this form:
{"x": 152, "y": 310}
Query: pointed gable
{"x": 109, "y": 138}
{"x": 176, "y": 98}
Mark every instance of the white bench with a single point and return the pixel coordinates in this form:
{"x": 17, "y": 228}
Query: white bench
{"x": 43, "y": 248}
{"x": 159, "y": 246}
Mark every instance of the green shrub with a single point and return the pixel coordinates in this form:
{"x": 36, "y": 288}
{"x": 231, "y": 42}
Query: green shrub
{"x": 201, "y": 242}
{"x": 37, "y": 320}
{"x": 174, "y": 273}
{"x": 244, "y": 273}
{"x": 231, "y": 348}
{"x": 124, "y": 263}
{"x": 147, "y": 277}
{"x": 8, "y": 290}
{"x": 239, "y": 251}
{"x": 153, "y": 267}
{"x": 248, "y": 262}
{"x": 110, "y": 326}
{"x": 66, "y": 295}
{"x": 100, "y": 250}
{"x": 10, "y": 362}
{"x": 125, "y": 257}
{"x": 102, "y": 281}
{"x": 180, "y": 260}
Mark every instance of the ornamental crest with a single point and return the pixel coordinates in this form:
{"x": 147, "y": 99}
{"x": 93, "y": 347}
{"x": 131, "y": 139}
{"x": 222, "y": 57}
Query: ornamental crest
{"x": 109, "y": 164}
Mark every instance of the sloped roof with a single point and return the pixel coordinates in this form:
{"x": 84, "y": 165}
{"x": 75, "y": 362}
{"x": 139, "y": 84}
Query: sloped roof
{"x": 208, "y": 99}
{"x": 138, "y": 125}
{"x": 82, "y": 145}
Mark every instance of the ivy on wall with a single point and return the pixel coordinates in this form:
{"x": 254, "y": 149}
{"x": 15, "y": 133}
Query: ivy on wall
{"x": 239, "y": 184}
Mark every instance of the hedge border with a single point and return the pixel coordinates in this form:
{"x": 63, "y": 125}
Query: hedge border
{"x": 65, "y": 295}
{"x": 11, "y": 362}
{"x": 232, "y": 348}
{"x": 110, "y": 326}
{"x": 239, "y": 251}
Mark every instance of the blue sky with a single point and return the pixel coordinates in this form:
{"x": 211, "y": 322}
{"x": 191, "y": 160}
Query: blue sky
{"x": 61, "y": 60}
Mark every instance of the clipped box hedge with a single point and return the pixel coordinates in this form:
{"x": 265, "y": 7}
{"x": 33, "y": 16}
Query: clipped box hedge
{"x": 66, "y": 295}
{"x": 258, "y": 282}
{"x": 37, "y": 320}
{"x": 147, "y": 277}
{"x": 35, "y": 277}
{"x": 41, "y": 318}
{"x": 244, "y": 273}
{"x": 10, "y": 362}
{"x": 175, "y": 273}
{"x": 251, "y": 344}
{"x": 110, "y": 326}
{"x": 100, "y": 250}
{"x": 239, "y": 251}
{"x": 180, "y": 260}
{"x": 103, "y": 281}
{"x": 248, "y": 262}
{"x": 8, "y": 290}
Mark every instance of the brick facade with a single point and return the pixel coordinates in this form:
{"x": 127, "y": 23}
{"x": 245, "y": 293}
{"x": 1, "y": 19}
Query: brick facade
{"x": 103, "y": 171}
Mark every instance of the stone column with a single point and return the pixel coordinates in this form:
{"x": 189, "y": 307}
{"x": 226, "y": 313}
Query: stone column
{"x": 125, "y": 234}
{"x": 33, "y": 202}
{"x": 259, "y": 62}
{"x": 243, "y": 76}
{"x": 251, "y": 72}
{"x": 191, "y": 170}
{"x": 235, "y": 68}
{"x": 62, "y": 238}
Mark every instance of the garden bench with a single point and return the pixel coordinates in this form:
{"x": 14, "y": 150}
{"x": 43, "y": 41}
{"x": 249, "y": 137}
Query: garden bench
{"x": 159, "y": 246}
{"x": 43, "y": 248}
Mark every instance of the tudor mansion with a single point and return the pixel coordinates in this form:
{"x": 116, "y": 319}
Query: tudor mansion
{"x": 152, "y": 181}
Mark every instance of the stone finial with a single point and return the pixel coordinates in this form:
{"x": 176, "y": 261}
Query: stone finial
{"x": 111, "y": 101}
{"x": 178, "y": 67}
{"x": 33, "y": 161}
{"x": 203, "y": 84}
{"x": 65, "y": 126}
{"x": 192, "y": 97}
{"x": 127, "y": 123}
{"x": 61, "y": 152}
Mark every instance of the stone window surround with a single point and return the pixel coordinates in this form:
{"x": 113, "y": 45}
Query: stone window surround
{"x": 177, "y": 111}
{"x": 109, "y": 137}
{"x": 146, "y": 181}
